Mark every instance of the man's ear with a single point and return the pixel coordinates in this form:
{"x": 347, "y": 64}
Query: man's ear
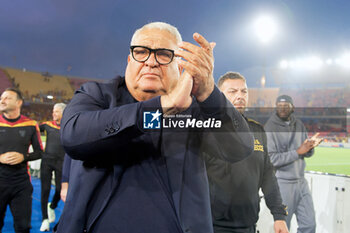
{"x": 19, "y": 102}
{"x": 129, "y": 58}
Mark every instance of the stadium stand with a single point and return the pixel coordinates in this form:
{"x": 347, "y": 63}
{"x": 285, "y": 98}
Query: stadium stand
{"x": 77, "y": 82}
{"x": 263, "y": 97}
{"x": 5, "y": 82}
{"x": 38, "y": 111}
{"x": 37, "y": 86}
{"x": 320, "y": 97}
{"x": 311, "y": 97}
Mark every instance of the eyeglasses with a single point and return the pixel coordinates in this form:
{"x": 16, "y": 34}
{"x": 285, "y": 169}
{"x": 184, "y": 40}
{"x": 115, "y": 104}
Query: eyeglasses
{"x": 142, "y": 53}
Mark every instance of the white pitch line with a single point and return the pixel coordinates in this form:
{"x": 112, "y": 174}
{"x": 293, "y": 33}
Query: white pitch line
{"x": 328, "y": 164}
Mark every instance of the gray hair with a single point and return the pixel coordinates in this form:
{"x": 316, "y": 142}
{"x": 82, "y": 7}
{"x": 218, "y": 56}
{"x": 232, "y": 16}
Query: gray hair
{"x": 230, "y": 75}
{"x": 62, "y": 106}
{"x": 161, "y": 26}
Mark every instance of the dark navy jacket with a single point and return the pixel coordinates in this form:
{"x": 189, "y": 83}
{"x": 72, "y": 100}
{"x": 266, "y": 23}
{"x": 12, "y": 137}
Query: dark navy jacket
{"x": 128, "y": 179}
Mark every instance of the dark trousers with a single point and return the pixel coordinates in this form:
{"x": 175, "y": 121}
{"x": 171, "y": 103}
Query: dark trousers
{"x": 19, "y": 198}
{"x": 47, "y": 166}
{"x": 221, "y": 229}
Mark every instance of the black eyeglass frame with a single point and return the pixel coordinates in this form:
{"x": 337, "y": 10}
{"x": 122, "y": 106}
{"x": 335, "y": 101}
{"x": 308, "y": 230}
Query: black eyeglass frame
{"x": 150, "y": 52}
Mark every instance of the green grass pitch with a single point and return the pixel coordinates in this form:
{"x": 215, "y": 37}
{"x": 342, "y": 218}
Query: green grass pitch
{"x": 330, "y": 160}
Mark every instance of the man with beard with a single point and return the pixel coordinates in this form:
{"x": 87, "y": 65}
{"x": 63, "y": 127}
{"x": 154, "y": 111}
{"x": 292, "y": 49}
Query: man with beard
{"x": 17, "y": 133}
{"x": 288, "y": 145}
{"x": 234, "y": 188}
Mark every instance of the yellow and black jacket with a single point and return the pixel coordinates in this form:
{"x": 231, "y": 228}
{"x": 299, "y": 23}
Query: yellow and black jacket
{"x": 53, "y": 147}
{"x": 17, "y": 135}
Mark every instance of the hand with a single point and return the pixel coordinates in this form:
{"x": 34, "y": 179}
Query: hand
{"x": 305, "y": 147}
{"x": 64, "y": 190}
{"x": 11, "y": 158}
{"x": 316, "y": 139}
{"x": 179, "y": 98}
{"x": 280, "y": 226}
{"x": 199, "y": 64}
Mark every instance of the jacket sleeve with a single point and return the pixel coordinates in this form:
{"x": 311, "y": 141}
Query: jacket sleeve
{"x": 91, "y": 130}
{"x": 233, "y": 141}
{"x": 66, "y": 169}
{"x": 270, "y": 187}
{"x": 36, "y": 144}
{"x": 305, "y": 136}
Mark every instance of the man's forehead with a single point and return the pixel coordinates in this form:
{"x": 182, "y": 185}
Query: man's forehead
{"x": 236, "y": 88}
{"x": 282, "y": 104}
{"x": 235, "y": 84}
{"x": 9, "y": 93}
{"x": 156, "y": 38}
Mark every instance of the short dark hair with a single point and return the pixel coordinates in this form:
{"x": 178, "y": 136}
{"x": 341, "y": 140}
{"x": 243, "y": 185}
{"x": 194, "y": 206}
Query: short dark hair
{"x": 18, "y": 92}
{"x": 230, "y": 75}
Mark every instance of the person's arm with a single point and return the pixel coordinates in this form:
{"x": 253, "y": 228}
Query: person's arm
{"x": 270, "y": 188}
{"x": 279, "y": 159}
{"x": 37, "y": 146}
{"x": 66, "y": 168}
{"x": 65, "y": 177}
{"x": 308, "y": 144}
{"x": 90, "y": 127}
{"x": 64, "y": 191}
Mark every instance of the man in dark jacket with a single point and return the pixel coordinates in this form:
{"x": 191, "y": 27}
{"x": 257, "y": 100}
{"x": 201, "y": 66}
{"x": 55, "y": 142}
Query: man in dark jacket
{"x": 129, "y": 172}
{"x": 288, "y": 145}
{"x": 17, "y": 133}
{"x": 234, "y": 188}
{"x": 52, "y": 161}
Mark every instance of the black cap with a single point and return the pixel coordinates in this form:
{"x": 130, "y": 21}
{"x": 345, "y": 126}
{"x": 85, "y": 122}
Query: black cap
{"x": 284, "y": 98}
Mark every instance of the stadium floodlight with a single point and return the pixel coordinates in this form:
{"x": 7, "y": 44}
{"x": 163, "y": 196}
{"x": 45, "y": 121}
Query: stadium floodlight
{"x": 306, "y": 63}
{"x": 263, "y": 81}
{"x": 313, "y": 63}
{"x": 284, "y": 64}
{"x": 265, "y": 28}
{"x": 292, "y": 64}
{"x": 344, "y": 60}
{"x": 329, "y": 61}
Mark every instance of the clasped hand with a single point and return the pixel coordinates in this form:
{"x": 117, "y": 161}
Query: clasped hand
{"x": 11, "y": 158}
{"x": 197, "y": 77}
{"x": 309, "y": 144}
